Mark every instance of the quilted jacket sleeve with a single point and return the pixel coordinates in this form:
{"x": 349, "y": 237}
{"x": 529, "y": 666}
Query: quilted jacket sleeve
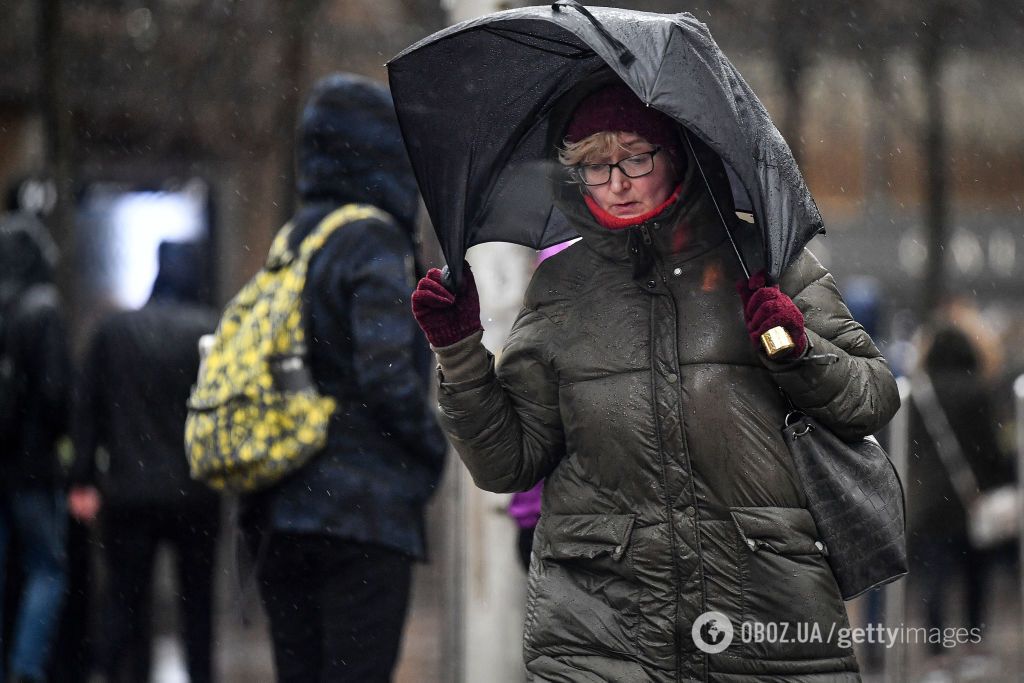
{"x": 843, "y": 381}
{"x": 505, "y": 425}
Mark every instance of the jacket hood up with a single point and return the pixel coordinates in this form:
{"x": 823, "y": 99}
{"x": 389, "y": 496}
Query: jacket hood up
{"x": 180, "y": 276}
{"x": 350, "y": 149}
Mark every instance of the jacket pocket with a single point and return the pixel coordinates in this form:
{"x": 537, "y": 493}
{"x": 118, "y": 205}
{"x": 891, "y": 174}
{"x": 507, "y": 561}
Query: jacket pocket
{"x": 582, "y": 592}
{"x": 786, "y": 581}
{"x": 783, "y": 531}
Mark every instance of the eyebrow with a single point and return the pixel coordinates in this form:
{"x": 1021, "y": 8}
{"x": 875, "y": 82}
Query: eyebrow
{"x": 634, "y": 141}
{"x": 627, "y": 146}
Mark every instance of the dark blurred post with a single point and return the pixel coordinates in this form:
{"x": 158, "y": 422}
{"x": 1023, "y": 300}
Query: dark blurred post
{"x": 877, "y": 164}
{"x": 794, "y": 30}
{"x": 57, "y": 117}
{"x": 896, "y": 593}
{"x": 1018, "y": 391}
{"x": 932, "y": 60}
{"x": 73, "y": 641}
{"x": 296, "y": 16}
{"x": 792, "y": 61}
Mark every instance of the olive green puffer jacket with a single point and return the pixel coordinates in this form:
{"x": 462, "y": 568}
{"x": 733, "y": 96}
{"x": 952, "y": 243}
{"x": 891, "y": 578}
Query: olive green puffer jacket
{"x": 670, "y": 491}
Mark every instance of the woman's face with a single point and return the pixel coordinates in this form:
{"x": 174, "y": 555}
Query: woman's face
{"x": 625, "y": 197}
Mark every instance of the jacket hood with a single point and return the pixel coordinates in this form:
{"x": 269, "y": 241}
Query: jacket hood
{"x": 351, "y": 150}
{"x": 28, "y": 255}
{"x": 180, "y": 276}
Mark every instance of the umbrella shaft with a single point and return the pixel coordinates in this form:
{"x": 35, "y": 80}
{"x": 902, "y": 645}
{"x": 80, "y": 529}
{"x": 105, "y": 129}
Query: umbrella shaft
{"x": 718, "y": 209}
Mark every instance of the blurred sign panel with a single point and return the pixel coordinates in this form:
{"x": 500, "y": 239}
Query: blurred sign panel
{"x": 984, "y": 253}
{"x": 121, "y": 229}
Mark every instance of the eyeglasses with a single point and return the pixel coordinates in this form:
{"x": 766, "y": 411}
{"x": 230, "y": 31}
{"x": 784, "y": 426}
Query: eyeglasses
{"x": 635, "y": 166}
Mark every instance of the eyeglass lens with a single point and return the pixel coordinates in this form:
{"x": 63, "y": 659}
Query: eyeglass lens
{"x": 632, "y": 167}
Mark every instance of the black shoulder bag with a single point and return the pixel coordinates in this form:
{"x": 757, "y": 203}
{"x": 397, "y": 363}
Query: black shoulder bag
{"x": 856, "y": 498}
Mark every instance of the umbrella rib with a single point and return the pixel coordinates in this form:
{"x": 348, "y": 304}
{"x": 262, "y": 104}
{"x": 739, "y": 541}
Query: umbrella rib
{"x": 661, "y": 66}
{"x": 579, "y": 53}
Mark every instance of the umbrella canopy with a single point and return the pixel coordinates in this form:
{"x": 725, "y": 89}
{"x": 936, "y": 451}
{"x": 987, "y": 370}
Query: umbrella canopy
{"x": 477, "y": 103}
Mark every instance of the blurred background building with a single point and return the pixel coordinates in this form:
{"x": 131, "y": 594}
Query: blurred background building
{"x": 129, "y": 122}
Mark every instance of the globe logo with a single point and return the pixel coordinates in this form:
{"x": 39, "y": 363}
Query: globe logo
{"x": 712, "y": 632}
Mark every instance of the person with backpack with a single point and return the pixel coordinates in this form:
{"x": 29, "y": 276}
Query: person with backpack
{"x": 135, "y": 380}
{"x": 336, "y": 534}
{"x": 34, "y": 379}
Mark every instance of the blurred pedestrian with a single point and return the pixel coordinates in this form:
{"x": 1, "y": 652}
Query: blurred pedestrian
{"x": 34, "y": 383}
{"x": 335, "y": 541}
{"x": 942, "y": 557}
{"x": 135, "y": 381}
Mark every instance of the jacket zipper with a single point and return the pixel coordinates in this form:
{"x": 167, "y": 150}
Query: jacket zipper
{"x": 667, "y": 500}
{"x": 658, "y": 271}
{"x": 646, "y": 233}
{"x": 690, "y": 486}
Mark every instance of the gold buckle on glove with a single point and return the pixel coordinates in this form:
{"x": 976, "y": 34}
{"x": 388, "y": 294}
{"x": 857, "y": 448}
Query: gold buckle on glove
{"x": 777, "y": 342}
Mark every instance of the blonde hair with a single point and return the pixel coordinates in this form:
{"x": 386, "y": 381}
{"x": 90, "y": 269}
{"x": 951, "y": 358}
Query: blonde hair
{"x": 599, "y": 144}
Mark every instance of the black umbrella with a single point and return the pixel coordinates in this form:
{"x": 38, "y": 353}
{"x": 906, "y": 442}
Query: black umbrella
{"x": 476, "y": 103}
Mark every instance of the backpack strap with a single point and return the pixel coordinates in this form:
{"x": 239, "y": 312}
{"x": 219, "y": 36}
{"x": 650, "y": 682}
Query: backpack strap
{"x": 280, "y": 255}
{"x": 349, "y": 213}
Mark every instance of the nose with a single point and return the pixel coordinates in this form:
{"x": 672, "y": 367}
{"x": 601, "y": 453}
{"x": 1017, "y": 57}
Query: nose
{"x": 618, "y": 181}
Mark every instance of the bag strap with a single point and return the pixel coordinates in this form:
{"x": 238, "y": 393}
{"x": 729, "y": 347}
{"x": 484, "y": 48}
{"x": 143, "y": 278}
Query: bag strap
{"x": 294, "y": 374}
{"x": 793, "y": 414}
{"x": 279, "y": 254}
{"x": 947, "y": 445}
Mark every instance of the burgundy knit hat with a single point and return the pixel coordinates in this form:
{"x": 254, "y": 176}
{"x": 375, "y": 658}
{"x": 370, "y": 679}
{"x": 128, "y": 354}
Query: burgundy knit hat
{"x": 616, "y": 108}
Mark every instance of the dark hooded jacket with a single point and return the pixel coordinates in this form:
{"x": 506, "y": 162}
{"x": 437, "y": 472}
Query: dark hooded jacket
{"x": 132, "y": 391}
{"x": 385, "y": 451}
{"x": 35, "y": 371}
{"x": 630, "y": 383}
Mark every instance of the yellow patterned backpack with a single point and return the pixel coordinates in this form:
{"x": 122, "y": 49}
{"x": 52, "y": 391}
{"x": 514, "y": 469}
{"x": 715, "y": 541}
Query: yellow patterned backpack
{"x": 255, "y": 413}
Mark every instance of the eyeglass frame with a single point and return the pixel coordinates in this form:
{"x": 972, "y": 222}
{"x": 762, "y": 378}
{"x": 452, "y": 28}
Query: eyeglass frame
{"x": 578, "y": 168}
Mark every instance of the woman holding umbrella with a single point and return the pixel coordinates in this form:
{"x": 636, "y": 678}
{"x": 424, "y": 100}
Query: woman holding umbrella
{"x": 633, "y": 382}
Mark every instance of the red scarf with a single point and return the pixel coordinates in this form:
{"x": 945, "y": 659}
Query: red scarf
{"x": 611, "y": 222}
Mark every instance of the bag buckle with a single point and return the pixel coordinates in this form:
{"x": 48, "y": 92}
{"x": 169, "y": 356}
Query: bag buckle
{"x": 792, "y": 418}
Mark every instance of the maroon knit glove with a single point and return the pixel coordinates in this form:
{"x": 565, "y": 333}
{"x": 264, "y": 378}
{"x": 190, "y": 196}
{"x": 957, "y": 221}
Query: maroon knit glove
{"x": 444, "y": 317}
{"x": 768, "y": 307}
